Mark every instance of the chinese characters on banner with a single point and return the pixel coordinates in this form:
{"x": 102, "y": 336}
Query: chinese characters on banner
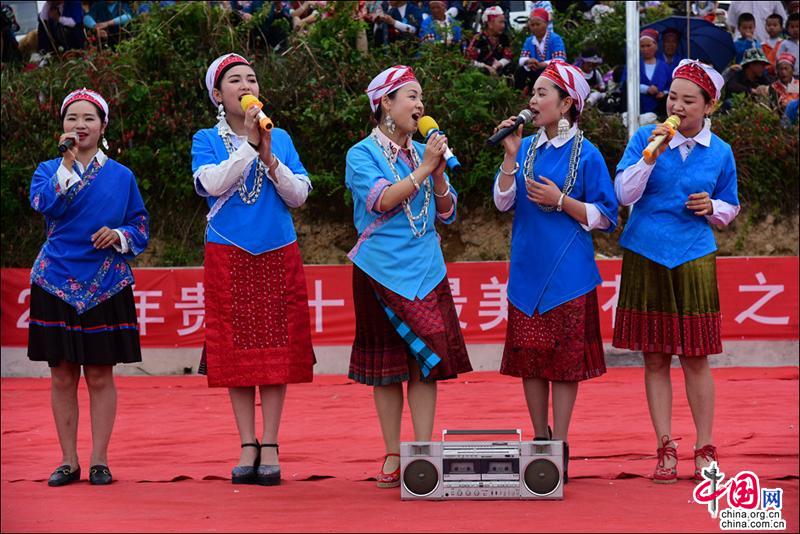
{"x": 759, "y": 299}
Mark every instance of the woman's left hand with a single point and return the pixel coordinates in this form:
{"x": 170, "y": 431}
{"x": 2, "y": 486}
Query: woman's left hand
{"x": 546, "y": 194}
{"x": 700, "y": 204}
{"x": 104, "y": 238}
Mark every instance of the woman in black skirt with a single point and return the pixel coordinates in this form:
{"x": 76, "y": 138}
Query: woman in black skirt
{"x": 82, "y": 306}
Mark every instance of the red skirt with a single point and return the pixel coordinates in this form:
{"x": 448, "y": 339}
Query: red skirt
{"x": 561, "y": 345}
{"x": 257, "y": 322}
{"x": 380, "y": 356}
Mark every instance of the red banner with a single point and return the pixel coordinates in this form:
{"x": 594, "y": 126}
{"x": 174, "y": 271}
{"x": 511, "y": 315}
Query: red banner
{"x": 759, "y": 299}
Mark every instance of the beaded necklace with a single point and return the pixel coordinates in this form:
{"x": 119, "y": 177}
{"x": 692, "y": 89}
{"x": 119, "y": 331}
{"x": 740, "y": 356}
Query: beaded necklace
{"x": 572, "y": 173}
{"x": 423, "y": 213}
{"x": 248, "y": 197}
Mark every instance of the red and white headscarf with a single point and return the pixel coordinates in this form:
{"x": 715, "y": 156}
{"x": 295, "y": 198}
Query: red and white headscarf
{"x": 702, "y": 75}
{"x": 786, "y": 57}
{"x": 570, "y": 79}
{"x": 88, "y": 95}
{"x": 491, "y": 12}
{"x": 540, "y": 13}
{"x": 387, "y": 81}
{"x": 649, "y": 33}
{"x": 216, "y": 69}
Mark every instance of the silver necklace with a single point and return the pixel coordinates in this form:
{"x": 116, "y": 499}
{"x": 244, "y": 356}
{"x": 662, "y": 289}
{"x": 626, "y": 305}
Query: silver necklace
{"x": 572, "y": 173}
{"x": 248, "y": 197}
{"x": 423, "y": 213}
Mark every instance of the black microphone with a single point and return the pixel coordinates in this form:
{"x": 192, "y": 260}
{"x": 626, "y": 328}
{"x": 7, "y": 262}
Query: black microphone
{"x": 66, "y": 145}
{"x": 525, "y": 116}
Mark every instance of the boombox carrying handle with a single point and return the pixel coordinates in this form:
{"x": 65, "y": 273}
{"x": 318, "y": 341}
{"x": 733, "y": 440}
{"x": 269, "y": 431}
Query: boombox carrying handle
{"x": 502, "y": 432}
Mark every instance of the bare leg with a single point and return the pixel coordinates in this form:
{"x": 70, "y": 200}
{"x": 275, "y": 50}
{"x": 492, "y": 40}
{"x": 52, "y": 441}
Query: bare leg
{"x": 658, "y": 386}
{"x": 272, "y": 398}
{"x": 564, "y": 395}
{"x": 700, "y": 394}
{"x": 103, "y": 408}
{"x": 64, "y": 399}
{"x": 537, "y": 396}
{"x": 421, "y": 402}
{"x": 389, "y": 405}
{"x": 244, "y": 410}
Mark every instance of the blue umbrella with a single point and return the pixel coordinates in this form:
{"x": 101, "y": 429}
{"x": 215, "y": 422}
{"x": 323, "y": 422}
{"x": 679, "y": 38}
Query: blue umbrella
{"x": 706, "y": 42}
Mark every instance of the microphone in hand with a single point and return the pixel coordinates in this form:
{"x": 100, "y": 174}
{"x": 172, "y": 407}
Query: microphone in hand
{"x": 249, "y": 101}
{"x": 525, "y": 116}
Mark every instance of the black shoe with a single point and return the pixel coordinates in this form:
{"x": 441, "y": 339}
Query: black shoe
{"x": 64, "y": 475}
{"x": 269, "y": 475}
{"x": 99, "y": 475}
{"x": 549, "y": 435}
{"x": 246, "y": 474}
{"x": 566, "y": 461}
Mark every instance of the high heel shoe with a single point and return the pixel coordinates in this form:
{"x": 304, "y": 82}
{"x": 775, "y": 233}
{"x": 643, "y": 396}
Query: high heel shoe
{"x": 246, "y": 474}
{"x": 668, "y": 449}
{"x": 707, "y": 453}
{"x": 547, "y": 438}
{"x": 388, "y": 480}
{"x": 269, "y": 475}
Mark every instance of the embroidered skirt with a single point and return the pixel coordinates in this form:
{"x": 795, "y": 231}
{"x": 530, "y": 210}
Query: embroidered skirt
{"x": 106, "y": 334}
{"x": 257, "y": 322}
{"x": 380, "y": 356}
{"x": 562, "y": 345}
{"x": 674, "y": 311}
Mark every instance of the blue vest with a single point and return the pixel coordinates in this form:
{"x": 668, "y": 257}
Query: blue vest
{"x": 255, "y": 228}
{"x": 660, "y": 227}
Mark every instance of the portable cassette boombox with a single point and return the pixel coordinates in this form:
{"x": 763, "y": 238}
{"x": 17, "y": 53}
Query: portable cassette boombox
{"x": 481, "y": 469}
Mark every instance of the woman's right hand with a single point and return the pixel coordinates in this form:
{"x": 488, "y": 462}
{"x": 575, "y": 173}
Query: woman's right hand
{"x": 661, "y": 129}
{"x": 72, "y": 152}
{"x": 512, "y": 141}
{"x": 251, "y": 125}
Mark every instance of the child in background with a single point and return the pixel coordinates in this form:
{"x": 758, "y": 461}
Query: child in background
{"x": 771, "y": 45}
{"x": 747, "y": 28}
{"x": 589, "y": 62}
{"x": 790, "y": 45}
{"x": 786, "y": 88}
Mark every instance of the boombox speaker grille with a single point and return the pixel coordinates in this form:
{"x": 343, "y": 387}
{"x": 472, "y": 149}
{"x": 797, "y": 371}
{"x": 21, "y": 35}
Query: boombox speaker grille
{"x": 542, "y": 477}
{"x": 420, "y": 477}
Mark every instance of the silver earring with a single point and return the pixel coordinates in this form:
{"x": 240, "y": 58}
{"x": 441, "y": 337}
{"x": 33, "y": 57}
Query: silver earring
{"x": 220, "y": 112}
{"x": 563, "y": 128}
{"x": 389, "y": 123}
{"x": 104, "y": 142}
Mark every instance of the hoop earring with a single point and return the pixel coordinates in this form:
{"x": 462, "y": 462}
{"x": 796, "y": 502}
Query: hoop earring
{"x": 563, "y": 128}
{"x": 391, "y": 126}
{"x": 220, "y": 112}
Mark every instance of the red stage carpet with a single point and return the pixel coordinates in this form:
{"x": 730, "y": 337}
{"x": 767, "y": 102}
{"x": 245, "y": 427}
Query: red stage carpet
{"x": 175, "y": 442}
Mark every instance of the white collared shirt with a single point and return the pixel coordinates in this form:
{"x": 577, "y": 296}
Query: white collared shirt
{"x": 504, "y": 200}
{"x": 216, "y": 180}
{"x": 630, "y": 183}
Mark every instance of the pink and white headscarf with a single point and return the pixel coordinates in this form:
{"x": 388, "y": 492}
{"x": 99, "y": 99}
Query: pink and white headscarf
{"x": 702, "y": 75}
{"x": 387, "y": 81}
{"x": 570, "y": 79}
{"x": 216, "y": 69}
{"x": 88, "y": 95}
{"x": 490, "y": 13}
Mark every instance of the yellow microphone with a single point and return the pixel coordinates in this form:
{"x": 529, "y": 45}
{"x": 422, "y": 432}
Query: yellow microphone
{"x": 672, "y": 123}
{"x": 249, "y": 101}
{"x": 427, "y": 127}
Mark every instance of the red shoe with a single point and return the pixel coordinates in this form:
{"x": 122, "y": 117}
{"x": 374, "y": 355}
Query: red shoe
{"x": 668, "y": 449}
{"x": 707, "y": 453}
{"x": 388, "y": 480}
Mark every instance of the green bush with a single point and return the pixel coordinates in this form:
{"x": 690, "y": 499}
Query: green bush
{"x": 154, "y": 82}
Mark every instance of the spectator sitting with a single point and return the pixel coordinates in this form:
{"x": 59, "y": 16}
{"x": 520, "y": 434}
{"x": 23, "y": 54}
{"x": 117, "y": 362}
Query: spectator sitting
{"x": 589, "y": 62}
{"x": 404, "y": 20}
{"x": 440, "y": 27}
{"x": 790, "y": 45}
{"x": 106, "y": 18}
{"x": 60, "y": 26}
{"x": 786, "y": 88}
{"x": 539, "y": 48}
{"x": 654, "y": 75}
{"x": 246, "y": 8}
{"x": 670, "y": 39}
{"x": 490, "y": 50}
{"x": 773, "y": 42}
{"x": 306, "y": 14}
{"x": 747, "y": 27}
{"x": 547, "y": 6}
{"x": 751, "y": 79}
